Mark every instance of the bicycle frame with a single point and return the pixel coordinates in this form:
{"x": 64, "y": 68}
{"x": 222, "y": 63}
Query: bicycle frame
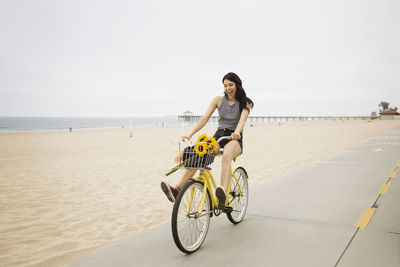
{"x": 208, "y": 181}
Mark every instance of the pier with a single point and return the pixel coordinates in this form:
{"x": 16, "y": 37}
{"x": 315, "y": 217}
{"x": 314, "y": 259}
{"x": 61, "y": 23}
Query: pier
{"x": 263, "y": 119}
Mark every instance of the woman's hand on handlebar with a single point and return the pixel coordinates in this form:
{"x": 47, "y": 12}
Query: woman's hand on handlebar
{"x": 235, "y": 136}
{"x": 185, "y": 138}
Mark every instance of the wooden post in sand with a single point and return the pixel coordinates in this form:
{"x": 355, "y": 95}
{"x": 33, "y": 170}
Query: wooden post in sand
{"x": 131, "y": 134}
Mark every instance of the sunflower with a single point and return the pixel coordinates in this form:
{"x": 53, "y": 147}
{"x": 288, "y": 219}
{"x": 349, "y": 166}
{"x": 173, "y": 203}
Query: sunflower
{"x": 211, "y": 144}
{"x": 201, "y": 148}
{"x": 202, "y": 138}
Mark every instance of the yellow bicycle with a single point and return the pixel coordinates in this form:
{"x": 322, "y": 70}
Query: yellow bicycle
{"x": 196, "y": 202}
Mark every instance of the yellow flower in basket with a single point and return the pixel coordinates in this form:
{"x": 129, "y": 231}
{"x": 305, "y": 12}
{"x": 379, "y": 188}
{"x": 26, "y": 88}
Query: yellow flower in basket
{"x": 205, "y": 144}
{"x": 201, "y": 146}
{"x": 202, "y": 138}
{"x": 211, "y": 144}
{"x": 201, "y": 149}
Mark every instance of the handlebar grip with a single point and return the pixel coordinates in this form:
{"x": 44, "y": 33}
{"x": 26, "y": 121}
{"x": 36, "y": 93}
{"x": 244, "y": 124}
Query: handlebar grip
{"x": 223, "y": 138}
{"x": 226, "y": 137}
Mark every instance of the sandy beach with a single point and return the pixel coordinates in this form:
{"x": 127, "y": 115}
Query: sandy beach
{"x": 65, "y": 194}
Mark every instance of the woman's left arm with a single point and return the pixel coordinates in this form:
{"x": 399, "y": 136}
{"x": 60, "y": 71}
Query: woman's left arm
{"x": 242, "y": 121}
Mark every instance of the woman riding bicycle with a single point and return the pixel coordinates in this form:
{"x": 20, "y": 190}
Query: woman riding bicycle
{"x": 233, "y": 108}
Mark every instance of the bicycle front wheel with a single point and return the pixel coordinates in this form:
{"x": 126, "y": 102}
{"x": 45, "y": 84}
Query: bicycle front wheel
{"x": 189, "y": 229}
{"x": 239, "y": 196}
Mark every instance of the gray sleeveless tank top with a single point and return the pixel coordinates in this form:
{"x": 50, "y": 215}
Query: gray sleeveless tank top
{"x": 228, "y": 115}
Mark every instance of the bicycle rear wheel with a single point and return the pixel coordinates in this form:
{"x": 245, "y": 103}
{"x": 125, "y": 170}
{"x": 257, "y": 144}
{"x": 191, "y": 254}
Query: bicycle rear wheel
{"x": 239, "y": 196}
{"x": 188, "y": 229}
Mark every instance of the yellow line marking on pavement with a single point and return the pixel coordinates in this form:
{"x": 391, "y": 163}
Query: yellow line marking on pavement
{"x": 366, "y": 218}
{"x": 384, "y": 188}
{"x": 392, "y": 174}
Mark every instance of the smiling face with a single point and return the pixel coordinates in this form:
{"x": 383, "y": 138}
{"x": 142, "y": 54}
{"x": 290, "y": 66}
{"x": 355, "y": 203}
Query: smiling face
{"x": 230, "y": 89}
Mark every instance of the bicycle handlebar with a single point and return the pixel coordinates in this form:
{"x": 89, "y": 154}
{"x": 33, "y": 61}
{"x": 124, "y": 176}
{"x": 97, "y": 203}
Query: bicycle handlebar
{"x": 223, "y": 138}
{"x": 187, "y": 141}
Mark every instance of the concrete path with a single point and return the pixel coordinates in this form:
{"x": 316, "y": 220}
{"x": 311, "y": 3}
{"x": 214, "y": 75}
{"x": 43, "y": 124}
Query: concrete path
{"x": 317, "y": 216}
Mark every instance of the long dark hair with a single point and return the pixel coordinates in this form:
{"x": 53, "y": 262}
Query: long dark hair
{"x": 240, "y": 93}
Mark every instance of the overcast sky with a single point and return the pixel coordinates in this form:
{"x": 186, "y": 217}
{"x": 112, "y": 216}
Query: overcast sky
{"x": 164, "y": 57}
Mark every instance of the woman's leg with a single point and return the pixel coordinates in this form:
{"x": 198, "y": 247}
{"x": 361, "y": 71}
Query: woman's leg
{"x": 231, "y": 151}
{"x": 172, "y": 191}
{"x": 185, "y": 178}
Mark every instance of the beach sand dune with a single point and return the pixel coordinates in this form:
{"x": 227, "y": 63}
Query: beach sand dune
{"x": 65, "y": 194}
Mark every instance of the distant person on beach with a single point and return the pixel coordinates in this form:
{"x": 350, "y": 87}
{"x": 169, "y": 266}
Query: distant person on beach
{"x": 233, "y": 108}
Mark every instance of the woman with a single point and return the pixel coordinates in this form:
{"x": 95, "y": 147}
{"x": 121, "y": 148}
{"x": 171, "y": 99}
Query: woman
{"x": 233, "y": 108}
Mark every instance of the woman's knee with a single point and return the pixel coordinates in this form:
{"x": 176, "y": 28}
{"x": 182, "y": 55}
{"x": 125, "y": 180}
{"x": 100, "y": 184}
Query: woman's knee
{"x": 233, "y": 149}
{"x": 228, "y": 156}
{"x": 226, "y": 159}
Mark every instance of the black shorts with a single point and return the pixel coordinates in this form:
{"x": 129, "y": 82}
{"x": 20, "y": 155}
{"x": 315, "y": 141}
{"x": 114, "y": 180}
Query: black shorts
{"x": 227, "y": 132}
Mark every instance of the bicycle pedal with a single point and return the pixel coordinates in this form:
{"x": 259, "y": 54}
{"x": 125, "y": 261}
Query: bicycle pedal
{"x": 228, "y": 209}
{"x": 217, "y": 212}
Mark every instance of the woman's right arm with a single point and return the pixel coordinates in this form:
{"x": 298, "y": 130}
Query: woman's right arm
{"x": 206, "y": 117}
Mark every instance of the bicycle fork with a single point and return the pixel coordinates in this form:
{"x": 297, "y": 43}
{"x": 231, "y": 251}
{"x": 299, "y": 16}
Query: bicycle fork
{"x": 204, "y": 178}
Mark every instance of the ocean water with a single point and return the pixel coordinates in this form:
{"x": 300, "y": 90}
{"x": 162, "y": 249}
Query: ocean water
{"x": 22, "y": 124}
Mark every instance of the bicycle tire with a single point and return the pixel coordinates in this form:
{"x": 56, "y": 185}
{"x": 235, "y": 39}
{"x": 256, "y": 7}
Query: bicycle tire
{"x": 240, "y": 207}
{"x": 188, "y": 231}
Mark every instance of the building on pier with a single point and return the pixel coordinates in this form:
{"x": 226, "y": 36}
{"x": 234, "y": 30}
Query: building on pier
{"x": 390, "y": 114}
{"x": 187, "y": 117}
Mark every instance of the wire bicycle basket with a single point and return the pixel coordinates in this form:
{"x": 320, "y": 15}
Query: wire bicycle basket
{"x": 198, "y": 156}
